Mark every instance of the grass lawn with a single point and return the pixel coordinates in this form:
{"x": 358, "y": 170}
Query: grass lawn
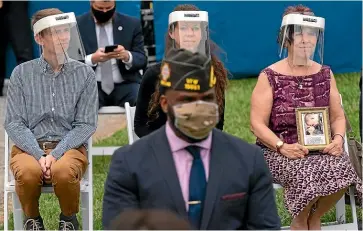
{"x": 236, "y": 123}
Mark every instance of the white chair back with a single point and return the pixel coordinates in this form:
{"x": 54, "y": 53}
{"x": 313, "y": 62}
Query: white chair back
{"x": 130, "y": 115}
{"x": 111, "y": 110}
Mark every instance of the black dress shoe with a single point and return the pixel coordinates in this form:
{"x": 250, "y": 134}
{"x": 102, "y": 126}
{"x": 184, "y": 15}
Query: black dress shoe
{"x": 34, "y": 224}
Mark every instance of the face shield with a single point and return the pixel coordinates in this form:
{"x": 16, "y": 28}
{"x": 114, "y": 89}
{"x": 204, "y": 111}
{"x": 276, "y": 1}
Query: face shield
{"x": 301, "y": 38}
{"x": 189, "y": 30}
{"x": 60, "y": 37}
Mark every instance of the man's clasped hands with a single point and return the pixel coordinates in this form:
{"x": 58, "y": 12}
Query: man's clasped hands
{"x": 45, "y": 163}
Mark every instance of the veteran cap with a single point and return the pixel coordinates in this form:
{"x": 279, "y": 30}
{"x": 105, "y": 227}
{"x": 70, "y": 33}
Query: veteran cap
{"x": 184, "y": 70}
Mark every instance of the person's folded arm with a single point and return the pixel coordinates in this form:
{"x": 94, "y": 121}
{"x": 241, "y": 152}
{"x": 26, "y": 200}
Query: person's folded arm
{"x": 261, "y": 206}
{"x": 85, "y": 122}
{"x": 16, "y": 118}
{"x": 261, "y": 106}
{"x": 120, "y": 190}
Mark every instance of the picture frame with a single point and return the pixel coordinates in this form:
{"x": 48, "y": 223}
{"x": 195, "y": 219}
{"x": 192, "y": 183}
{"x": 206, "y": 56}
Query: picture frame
{"x": 313, "y": 127}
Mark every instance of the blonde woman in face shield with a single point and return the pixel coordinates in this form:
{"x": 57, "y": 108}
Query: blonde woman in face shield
{"x": 51, "y": 112}
{"x": 313, "y": 183}
{"x": 190, "y": 35}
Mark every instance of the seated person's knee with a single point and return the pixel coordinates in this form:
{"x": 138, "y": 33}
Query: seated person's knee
{"x": 31, "y": 174}
{"x": 65, "y": 173}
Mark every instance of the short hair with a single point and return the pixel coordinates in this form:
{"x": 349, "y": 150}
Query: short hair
{"x": 42, "y": 14}
{"x": 152, "y": 219}
{"x": 299, "y": 9}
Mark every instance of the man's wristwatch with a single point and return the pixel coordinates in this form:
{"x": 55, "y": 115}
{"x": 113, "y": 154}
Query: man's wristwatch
{"x": 279, "y": 145}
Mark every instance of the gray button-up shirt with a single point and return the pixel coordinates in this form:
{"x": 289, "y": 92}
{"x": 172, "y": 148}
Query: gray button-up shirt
{"x": 47, "y": 106}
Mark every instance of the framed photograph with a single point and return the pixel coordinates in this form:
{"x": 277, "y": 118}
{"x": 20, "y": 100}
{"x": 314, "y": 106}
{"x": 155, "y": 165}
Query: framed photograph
{"x": 313, "y": 127}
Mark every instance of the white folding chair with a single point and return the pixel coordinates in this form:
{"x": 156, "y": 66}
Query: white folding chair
{"x": 86, "y": 193}
{"x": 108, "y": 110}
{"x": 340, "y": 213}
{"x": 111, "y": 110}
{"x": 130, "y": 115}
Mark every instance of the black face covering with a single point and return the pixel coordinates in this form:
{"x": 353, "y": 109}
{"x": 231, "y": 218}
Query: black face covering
{"x": 101, "y": 16}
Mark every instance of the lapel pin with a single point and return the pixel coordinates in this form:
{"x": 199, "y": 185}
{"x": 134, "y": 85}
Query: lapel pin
{"x": 120, "y": 28}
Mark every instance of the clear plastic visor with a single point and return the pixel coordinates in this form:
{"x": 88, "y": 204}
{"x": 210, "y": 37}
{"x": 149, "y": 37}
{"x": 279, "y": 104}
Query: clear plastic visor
{"x": 63, "y": 42}
{"x": 302, "y": 44}
{"x": 190, "y": 35}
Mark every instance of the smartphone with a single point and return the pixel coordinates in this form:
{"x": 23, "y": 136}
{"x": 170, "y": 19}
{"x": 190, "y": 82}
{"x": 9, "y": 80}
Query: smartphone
{"x": 111, "y": 48}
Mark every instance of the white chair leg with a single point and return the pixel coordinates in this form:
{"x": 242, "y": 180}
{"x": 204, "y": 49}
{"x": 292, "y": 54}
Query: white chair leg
{"x": 353, "y": 206}
{"x": 90, "y": 206}
{"x": 17, "y": 213}
{"x": 85, "y": 211}
{"x": 340, "y": 211}
{"x": 6, "y": 219}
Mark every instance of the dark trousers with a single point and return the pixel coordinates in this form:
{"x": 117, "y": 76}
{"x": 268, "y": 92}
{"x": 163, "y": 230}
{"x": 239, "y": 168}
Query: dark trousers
{"x": 122, "y": 93}
{"x": 16, "y": 31}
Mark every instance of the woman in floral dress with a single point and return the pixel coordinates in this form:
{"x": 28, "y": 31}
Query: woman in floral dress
{"x": 313, "y": 181}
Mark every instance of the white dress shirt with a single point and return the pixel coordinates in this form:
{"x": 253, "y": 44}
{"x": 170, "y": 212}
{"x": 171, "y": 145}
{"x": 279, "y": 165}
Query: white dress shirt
{"x": 116, "y": 74}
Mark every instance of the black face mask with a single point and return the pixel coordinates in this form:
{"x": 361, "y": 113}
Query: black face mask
{"x": 101, "y": 16}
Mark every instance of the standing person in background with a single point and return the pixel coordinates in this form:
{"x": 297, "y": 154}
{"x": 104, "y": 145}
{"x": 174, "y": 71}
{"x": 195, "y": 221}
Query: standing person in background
{"x": 15, "y": 30}
{"x": 118, "y": 71}
{"x": 181, "y": 34}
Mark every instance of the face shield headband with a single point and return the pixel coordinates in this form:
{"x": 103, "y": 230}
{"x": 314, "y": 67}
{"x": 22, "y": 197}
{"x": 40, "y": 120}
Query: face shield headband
{"x": 189, "y": 30}
{"x": 305, "y": 36}
{"x": 64, "y": 36}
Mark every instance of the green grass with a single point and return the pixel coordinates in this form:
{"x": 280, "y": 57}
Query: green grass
{"x": 236, "y": 123}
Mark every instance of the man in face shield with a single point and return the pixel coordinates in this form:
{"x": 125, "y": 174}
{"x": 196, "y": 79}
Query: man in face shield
{"x": 51, "y": 112}
{"x": 215, "y": 180}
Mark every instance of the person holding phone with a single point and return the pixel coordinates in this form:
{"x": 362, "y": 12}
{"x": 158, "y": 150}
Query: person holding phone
{"x": 115, "y": 49}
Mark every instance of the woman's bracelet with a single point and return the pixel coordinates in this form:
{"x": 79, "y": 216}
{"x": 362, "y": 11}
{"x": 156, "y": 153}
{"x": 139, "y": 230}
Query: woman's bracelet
{"x": 337, "y": 134}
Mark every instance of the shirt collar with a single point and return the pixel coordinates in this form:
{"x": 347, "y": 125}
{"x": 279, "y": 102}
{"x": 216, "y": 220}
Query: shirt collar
{"x": 47, "y": 68}
{"x": 177, "y": 143}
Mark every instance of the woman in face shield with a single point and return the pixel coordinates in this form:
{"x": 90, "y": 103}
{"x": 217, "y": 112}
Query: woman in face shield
{"x": 182, "y": 33}
{"x": 313, "y": 181}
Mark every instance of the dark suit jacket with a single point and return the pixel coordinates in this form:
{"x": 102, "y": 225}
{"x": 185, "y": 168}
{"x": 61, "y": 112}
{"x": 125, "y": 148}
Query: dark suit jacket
{"x": 240, "y": 192}
{"x": 130, "y": 37}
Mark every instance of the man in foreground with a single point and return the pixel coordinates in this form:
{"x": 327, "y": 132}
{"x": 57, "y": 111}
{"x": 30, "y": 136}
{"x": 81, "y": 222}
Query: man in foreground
{"x": 215, "y": 180}
{"x": 51, "y": 113}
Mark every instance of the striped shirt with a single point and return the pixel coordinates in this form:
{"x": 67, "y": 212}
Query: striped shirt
{"x": 46, "y": 106}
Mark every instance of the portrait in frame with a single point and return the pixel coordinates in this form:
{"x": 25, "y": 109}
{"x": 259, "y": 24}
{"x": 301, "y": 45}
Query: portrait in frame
{"x": 313, "y": 127}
